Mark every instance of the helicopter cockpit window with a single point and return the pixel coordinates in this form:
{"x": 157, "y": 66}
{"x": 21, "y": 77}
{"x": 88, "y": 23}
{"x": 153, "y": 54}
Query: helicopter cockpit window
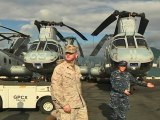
{"x": 5, "y": 60}
{"x": 119, "y": 43}
{"x": 60, "y": 49}
{"x": 33, "y": 47}
{"x": 131, "y": 42}
{"x": 51, "y": 47}
{"x": 41, "y": 45}
{"x": 141, "y": 43}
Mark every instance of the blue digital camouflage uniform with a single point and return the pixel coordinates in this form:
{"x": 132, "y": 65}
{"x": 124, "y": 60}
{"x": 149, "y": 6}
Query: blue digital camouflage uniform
{"x": 121, "y": 81}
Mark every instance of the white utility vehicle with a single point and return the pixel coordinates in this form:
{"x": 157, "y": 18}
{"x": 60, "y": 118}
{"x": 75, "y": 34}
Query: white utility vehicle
{"x": 26, "y": 95}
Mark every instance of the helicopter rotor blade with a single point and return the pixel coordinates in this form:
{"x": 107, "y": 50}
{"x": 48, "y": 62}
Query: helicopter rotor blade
{"x": 60, "y": 35}
{"x": 80, "y": 48}
{"x": 105, "y": 23}
{"x": 8, "y": 38}
{"x": 76, "y": 31}
{"x": 46, "y": 23}
{"x": 15, "y": 31}
{"x": 99, "y": 45}
{"x": 116, "y": 29}
{"x": 37, "y": 23}
{"x": 143, "y": 25}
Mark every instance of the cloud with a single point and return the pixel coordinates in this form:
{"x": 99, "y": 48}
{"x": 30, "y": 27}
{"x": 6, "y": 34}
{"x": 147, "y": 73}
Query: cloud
{"x": 27, "y": 28}
{"x": 84, "y": 15}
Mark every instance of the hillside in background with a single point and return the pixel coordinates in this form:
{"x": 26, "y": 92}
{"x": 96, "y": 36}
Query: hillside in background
{"x": 100, "y": 57}
{"x": 156, "y": 53}
{"x": 91, "y": 60}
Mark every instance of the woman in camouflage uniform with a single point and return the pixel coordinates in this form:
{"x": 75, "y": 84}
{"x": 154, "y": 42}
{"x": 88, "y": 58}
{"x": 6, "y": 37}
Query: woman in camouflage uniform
{"x": 120, "y": 81}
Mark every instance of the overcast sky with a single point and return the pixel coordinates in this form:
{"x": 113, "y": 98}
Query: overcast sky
{"x": 83, "y": 15}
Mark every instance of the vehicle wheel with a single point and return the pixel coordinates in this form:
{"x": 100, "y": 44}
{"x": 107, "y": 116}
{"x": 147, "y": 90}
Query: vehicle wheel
{"x": 46, "y": 105}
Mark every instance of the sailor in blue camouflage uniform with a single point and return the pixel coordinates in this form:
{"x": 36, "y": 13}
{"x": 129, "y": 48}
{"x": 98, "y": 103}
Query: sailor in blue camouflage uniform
{"x": 120, "y": 80}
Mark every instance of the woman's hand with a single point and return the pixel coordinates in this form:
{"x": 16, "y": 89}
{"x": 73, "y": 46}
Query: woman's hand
{"x": 150, "y": 85}
{"x": 127, "y": 92}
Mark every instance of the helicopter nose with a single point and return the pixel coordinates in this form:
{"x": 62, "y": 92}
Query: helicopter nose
{"x": 41, "y": 57}
{"x": 54, "y": 56}
{"x": 135, "y": 55}
{"x": 38, "y": 65}
{"x": 45, "y": 59}
{"x": 134, "y": 66}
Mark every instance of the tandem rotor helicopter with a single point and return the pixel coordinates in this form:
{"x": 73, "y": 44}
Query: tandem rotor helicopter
{"x": 11, "y": 61}
{"x": 125, "y": 44}
{"x": 44, "y": 52}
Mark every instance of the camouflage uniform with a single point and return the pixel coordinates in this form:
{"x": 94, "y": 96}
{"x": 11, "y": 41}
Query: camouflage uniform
{"x": 66, "y": 89}
{"x": 121, "y": 81}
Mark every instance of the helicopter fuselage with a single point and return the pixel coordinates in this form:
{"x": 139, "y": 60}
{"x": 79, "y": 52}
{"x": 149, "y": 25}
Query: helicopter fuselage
{"x": 126, "y": 43}
{"x": 131, "y": 48}
{"x": 12, "y": 66}
{"x": 42, "y": 56}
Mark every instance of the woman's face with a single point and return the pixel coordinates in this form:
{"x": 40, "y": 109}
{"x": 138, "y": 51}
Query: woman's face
{"x": 122, "y": 68}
